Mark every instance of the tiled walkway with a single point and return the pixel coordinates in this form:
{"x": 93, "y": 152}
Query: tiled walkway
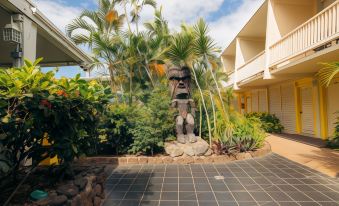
{"x": 270, "y": 180}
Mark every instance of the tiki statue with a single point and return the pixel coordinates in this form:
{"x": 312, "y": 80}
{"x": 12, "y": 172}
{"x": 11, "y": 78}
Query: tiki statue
{"x": 181, "y": 100}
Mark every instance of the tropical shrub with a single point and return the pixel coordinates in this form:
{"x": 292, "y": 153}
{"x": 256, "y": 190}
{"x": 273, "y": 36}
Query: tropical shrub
{"x": 154, "y": 123}
{"x": 269, "y": 122}
{"x": 334, "y": 141}
{"x": 36, "y": 107}
{"x": 240, "y": 134}
{"x": 140, "y": 127}
{"x": 114, "y": 129}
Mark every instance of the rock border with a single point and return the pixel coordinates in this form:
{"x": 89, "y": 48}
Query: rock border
{"x": 86, "y": 189}
{"x": 132, "y": 160}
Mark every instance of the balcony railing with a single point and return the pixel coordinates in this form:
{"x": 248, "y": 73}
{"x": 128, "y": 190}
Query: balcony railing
{"x": 319, "y": 30}
{"x": 252, "y": 67}
{"x": 231, "y": 79}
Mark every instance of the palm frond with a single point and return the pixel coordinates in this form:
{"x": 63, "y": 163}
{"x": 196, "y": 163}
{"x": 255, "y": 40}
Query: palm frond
{"x": 79, "y": 23}
{"x": 152, "y": 3}
{"x": 328, "y": 73}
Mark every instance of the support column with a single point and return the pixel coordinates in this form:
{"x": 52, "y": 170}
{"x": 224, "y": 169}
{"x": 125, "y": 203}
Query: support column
{"x": 29, "y": 42}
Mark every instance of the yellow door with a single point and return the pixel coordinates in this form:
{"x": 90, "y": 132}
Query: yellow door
{"x": 306, "y": 111}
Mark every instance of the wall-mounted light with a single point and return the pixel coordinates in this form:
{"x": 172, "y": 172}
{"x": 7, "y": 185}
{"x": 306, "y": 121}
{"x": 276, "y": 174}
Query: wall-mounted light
{"x": 12, "y": 33}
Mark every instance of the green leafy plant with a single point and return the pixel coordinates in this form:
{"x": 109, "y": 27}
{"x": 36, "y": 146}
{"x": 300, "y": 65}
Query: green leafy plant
{"x": 240, "y": 134}
{"x": 35, "y": 107}
{"x": 328, "y": 72}
{"x": 154, "y": 123}
{"x": 334, "y": 141}
{"x": 115, "y": 128}
{"x": 269, "y": 122}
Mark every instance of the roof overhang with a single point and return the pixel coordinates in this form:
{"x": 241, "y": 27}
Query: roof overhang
{"x": 254, "y": 28}
{"x": 52, "y": 44}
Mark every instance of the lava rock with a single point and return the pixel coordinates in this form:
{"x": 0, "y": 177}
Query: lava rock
{"x": 199, "y": 148}
{"x": 80, "y": 182}
{"x": 68, "y": 190}
{"x": 173, "y": 149}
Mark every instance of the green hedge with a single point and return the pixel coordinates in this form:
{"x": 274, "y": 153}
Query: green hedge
{"x": 269, "y": 122}
{"x": 36, "y": 106}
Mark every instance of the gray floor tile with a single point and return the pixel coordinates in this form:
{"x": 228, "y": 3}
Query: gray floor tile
{"x": 205, "y": 196}
{"x": 270, "y": 180}
{"x": 242, "y": 196}
{"x": 169, "y": 196}
{"x": 224, "y": 197}
{"x": 187, "y": 196}
{"x": 261, "y": 196}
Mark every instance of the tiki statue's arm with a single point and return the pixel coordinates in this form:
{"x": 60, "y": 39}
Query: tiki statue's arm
{"x": 193, "y": 107}
{"x": 174, "y": 103}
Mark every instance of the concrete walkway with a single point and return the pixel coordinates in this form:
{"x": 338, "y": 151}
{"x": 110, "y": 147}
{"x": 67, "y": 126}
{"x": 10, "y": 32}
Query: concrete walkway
{"x": 321, "y": 159}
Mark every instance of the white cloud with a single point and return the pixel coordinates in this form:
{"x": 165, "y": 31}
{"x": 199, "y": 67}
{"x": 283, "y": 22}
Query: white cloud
{"x": 57, "y": 12}
{"x": 227, "y": 27}
{"x": 178, "y": 11}
{"x": 223, "y": 30}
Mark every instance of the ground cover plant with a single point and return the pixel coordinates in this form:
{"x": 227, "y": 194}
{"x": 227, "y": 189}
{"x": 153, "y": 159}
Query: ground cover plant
{"x": 333, "y": 141}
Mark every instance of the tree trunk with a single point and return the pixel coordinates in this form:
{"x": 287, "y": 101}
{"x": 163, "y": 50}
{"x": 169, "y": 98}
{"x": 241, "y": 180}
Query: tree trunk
{"x": 205, "y": 108}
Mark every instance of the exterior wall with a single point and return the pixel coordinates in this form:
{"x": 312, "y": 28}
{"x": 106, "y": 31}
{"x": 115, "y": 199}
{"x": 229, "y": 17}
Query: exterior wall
{"x": 249, "y": 48}
{"x": 303, "y": 105}
{"x": 228, "y": 63}
{"x": 287, "y": 15}
{"x": 299, "y": 114}
{"x": 275, "y": 100}
{"x": 322, "y": 4}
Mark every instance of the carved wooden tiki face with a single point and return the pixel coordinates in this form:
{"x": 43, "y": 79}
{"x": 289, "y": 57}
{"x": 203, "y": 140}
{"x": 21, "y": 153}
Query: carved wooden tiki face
{"x": 180, "y": 82}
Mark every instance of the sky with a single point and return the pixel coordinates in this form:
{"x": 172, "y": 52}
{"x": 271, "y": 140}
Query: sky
{"x": 225, "y": 17}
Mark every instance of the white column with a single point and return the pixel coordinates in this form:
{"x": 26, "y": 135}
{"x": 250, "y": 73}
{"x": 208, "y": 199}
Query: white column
{"x": 29, "y": 43}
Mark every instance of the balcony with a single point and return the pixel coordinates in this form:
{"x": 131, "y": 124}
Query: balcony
{"x": 252, "y": 67}
{"x": 230, "y": 81}
{"x": 318, "y": 31}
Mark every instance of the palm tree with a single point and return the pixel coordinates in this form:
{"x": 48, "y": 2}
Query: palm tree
{"x": 99, "y": 31}
{"x": 137, "y": 6}
{"x": 328, "y": 73}
{"x": 192, "y": 47}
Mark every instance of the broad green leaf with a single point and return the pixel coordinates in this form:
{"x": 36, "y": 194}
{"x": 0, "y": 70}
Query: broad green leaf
{"x": 37, "y": 61}
{"x": 28, "y": 95}
{"x": 77, "y": 77}
{"x": 3, "y": 136}
{"x": 51, "y": 97}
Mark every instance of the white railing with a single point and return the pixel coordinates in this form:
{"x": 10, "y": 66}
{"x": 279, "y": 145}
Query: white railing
{"x": 322, "y": 28}
{"x": 252, "y": 67}
{"x": 231, "y": 79}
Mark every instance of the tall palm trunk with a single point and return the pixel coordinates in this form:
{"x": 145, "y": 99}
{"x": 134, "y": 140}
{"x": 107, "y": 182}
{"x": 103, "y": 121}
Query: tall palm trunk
{"x": 130, "y": 85}
{"x": 205, "y": 108}
{"x": 216, "y": 84}
{"x": 214, "y": 113}
{"x": 126, "y": 16}
{"x": 111, "y": 75}
{"x": 200, "y": 118}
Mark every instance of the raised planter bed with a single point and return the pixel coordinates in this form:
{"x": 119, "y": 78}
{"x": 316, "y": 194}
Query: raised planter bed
{"x": 162, "y": 159}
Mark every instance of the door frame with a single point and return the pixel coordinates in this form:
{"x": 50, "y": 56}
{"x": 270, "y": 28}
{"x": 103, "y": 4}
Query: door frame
{"x": 299, "y": 84}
